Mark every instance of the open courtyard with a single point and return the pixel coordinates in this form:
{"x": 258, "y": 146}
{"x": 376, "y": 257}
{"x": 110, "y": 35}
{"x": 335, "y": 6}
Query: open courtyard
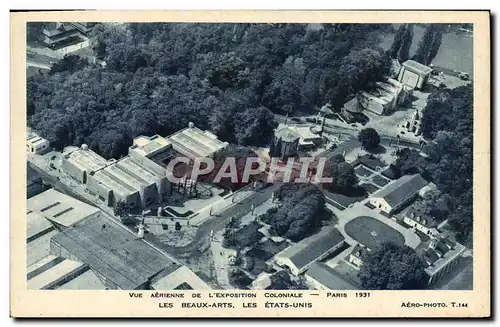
{"x": 371, "y": 232}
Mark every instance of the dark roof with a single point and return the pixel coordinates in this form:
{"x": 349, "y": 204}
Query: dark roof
{"x": 421, "y": 217}
{"x": 302, "y": 255}
{"x": 113, "y": 252}
{"x": 353, "y": 105}
{"x": 329, "y": 277}
{"x": 442, "y": 247}
{"x": 401, "y": 189}
{"x": 430, "y": 256}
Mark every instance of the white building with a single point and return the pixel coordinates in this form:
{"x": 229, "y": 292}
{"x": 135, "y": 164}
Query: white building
{"x": 37, "y": 144}
{"x": 299, "y": 257}
{"x": 421, "y": 222}
{"x": 398, "y": 193}
{"x": 414, "y": 74}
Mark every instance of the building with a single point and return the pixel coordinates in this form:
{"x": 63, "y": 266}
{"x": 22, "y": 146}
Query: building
{"x": 285, "y": 143}
{"x": 36, "y": 144}
{"x": 130, "y": 182}
{"x": 422, "y": 222}
{"x": 54, "y": 272}
{"x": 57, "y": 34}
{"x": 149, "y": 146}
{"x": 34, "y": 183}
{"x": 358, "y": 255}
{"x": 115, "y": 255}
{"x": 80, "y": 163}
{"x": 441, "y": 256}
{"x": 398, "y": 193}
{"x": 61, "y": 210}
{"x": 84, "y": 28}
{"x": 48, "y": 213}
{"x": 322, "y": 277}
{"x": 385, "y": 98}
{"x": 412, "y": 125}
{"x": 193, "y": 143}
{"x": 414, "y": 74}
{"x": 38, "y": 234}
{"x": 178, "y": 278}
{"x": 299, "y": 257}
{"x": 326, "y": 111}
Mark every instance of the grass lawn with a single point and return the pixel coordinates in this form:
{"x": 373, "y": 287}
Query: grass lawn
{"x": 381, "y": 181}
{"x": 362, "y": 171}
{"x": 369, "y": 187}
{"x": 370, "y": 232}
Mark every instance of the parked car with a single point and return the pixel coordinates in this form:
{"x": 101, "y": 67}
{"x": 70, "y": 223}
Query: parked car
{"x": 463, "y": 76}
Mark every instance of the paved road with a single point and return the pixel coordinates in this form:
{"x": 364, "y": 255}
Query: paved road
{"x": 217, "y": 223}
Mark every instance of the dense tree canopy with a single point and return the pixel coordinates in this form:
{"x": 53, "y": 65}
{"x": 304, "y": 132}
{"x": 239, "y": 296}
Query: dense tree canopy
{"x": 393, "y": 267}
{"x": 369, "y": 138}
{"x": 342, "y": 173}
{"x": 300, "y": 213}
{"x": 428, "y": 46}
{"x": 223, "y": 77}
{"x": 448, "y": 121}
{"x": 400, "y": 48}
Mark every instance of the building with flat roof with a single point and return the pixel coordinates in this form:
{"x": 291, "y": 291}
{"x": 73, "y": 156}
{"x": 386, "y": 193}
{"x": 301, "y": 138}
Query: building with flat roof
{"x": 60, "y": 209}
{"x": 148, "y": 146}
{"x": 299, "y": 257}
{"x": 414, "y": 74}
{"x": 195, "y": 143}
{"x": 37, "y": 144}
{"x": 179, "y": 277}
{"x": 358, "y": 255}
{"x": 322, "y": 277}
{"x": 398, "y": 193}
{"x": 81, "y": 162}
{"x": 115, "y": 255}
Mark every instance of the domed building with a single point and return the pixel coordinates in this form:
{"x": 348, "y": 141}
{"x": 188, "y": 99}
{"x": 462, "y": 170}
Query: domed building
{"x": 285, "y": 143}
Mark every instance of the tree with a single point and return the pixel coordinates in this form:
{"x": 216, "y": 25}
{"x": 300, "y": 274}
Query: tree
{"x": 122, "y": 210}
{"x": 398, "y": 40}
{"x": 70, "y": 63}
{"x": 342, "y": 173}
{"x": 428, "y": 46}
{"x": 404, "y": 51}
{"x": 393, "y": 267}
{"x": 369, "y": 138}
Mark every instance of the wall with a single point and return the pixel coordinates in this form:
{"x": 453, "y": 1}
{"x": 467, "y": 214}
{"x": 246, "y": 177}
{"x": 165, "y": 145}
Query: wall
{"x": 72, "y": 170}
{"x": 381, "y": 204}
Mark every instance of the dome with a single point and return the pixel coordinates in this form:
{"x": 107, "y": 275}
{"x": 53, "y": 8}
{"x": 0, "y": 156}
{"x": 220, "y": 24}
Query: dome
{"x": 286, "y": 134}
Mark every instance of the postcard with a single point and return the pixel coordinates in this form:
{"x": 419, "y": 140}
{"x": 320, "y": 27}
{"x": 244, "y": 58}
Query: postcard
{"x": 250, "y": 164}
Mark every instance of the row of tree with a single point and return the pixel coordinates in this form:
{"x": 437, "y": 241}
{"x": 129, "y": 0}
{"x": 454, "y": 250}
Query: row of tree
{"x": 223, "y": 77}
{"x": 427, "y": 48}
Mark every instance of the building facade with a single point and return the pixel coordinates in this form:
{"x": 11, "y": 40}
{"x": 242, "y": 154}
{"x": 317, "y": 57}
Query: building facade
{"x": 414, "y": 74}
{"x": 37, "y": 144}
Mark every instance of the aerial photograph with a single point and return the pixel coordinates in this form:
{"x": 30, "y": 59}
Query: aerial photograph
{"x": 249, "y": 156}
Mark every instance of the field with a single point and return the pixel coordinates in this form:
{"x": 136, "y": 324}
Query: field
{"x": 370, "y": 232}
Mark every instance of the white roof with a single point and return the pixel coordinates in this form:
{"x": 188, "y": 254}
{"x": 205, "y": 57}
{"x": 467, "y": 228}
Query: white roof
{"x": 53, "y": 274}
{"x": 178, "y": 277}
{"x": 86, "y": 281}
{"x": 37, "y": 224}
{"x": 198, "y": 142}
{"x": 60, "y": 208}
{"x": 39, "y": 248}
{"x": 85, "y": 159}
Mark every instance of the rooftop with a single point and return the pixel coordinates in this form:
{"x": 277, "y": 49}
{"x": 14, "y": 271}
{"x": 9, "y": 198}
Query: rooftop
{"x": 150, "y": 145}
{"x": 111, "y": 182}
{"x": 311, "y": 248}
{"x": 401, "y": 189}
{"x": 194, "y": 142}
{"x": 289, "y": 133}
{"x": 114, "y": 252}
{"x": 360, "y": 251}
{"x": 39, "y": 248}
{"x": 444, "y": 252}
{"x": 48, "y": 279}
{"x": 37, "y": 225}
{"x": 180, "y": 277}
{"x": 86, "y": 281}
{"x": 60, "y": 208}
{"x": 85, "y": 159}
{"x": 417, "y": 67}
{"x": 138, "y": 170}
{"x": 419, "y": 216}
{"x": 286, "y": 134}
{"x": 32, "y": 176}
{"x": 328, "y": 277}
